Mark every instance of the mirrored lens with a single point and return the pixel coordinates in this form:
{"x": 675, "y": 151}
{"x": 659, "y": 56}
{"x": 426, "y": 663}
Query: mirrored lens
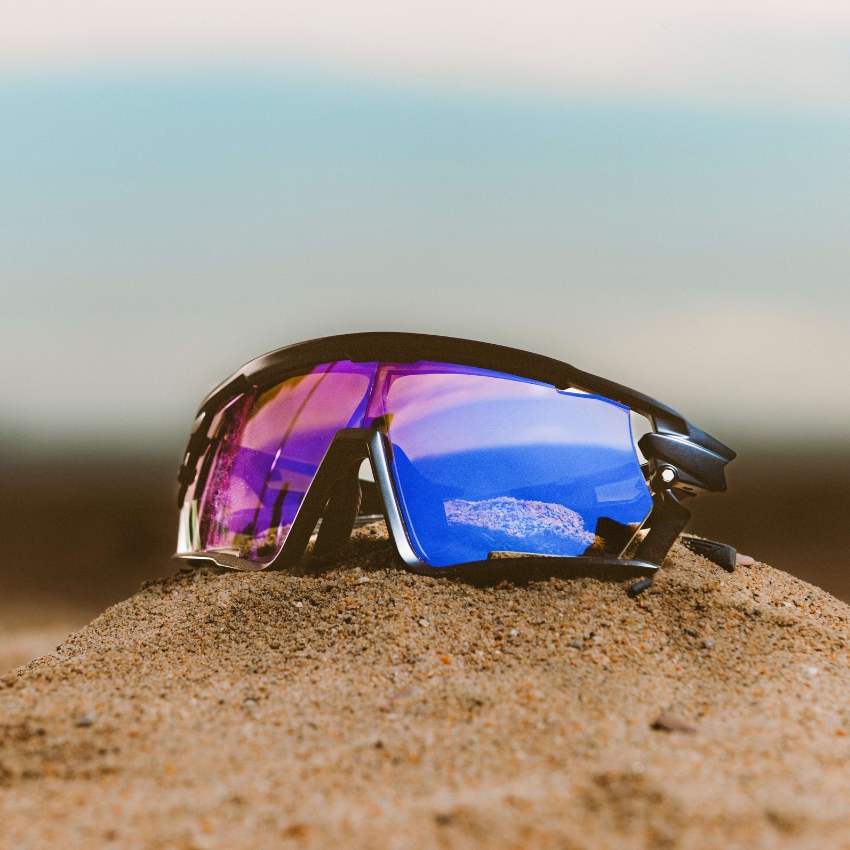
{"x": 485, "y": 463}
{"x": 265, "y": 452}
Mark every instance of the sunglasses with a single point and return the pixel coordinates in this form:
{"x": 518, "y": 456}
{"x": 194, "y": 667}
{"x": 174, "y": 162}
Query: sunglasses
{"x": 485, "y": 462}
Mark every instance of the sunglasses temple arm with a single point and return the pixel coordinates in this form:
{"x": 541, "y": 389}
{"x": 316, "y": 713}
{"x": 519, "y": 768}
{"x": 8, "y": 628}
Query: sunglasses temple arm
{"x": 666, "y": 522}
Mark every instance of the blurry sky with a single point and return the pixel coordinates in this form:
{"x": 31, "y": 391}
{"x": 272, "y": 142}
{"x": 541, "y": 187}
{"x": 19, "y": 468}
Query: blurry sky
{"x": 655, "y": 191}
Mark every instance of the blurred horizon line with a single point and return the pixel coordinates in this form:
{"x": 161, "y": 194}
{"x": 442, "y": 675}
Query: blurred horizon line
{"x": 114, "y": 451}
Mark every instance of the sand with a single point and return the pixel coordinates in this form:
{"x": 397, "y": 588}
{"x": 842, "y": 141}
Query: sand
{"x": 364, "y": 707}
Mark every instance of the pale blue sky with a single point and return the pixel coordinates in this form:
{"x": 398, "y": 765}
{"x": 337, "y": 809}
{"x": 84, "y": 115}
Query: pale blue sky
{"x": 160, "y": 226}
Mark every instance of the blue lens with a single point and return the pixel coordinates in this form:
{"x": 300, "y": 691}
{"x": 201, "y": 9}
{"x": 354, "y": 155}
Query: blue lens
{"x": 488, "y": 463}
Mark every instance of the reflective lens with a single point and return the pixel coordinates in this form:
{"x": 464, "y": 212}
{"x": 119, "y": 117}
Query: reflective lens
{"x": 482, "y": 462}
{"x": 487, "y": 463}
{"x": 265, "y": 452}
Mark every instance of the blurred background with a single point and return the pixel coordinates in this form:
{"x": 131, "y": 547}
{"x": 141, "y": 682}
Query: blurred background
{"x": 655, "y": 191}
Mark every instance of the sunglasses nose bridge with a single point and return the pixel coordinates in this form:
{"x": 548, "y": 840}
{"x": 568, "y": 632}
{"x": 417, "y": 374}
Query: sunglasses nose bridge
{"x": 339, "y": 514}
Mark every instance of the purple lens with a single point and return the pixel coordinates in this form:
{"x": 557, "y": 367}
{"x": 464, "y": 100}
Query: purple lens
{"x": 486, "y": 463}
{"x": 265, "y": 451}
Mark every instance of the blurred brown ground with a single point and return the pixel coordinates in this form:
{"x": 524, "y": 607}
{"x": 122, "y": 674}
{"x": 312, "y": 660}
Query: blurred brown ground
{"x": 788, "y": 509}
{"x": 78, "y": 536}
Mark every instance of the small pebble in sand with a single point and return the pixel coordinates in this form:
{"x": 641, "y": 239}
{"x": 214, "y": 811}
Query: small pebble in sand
{"x": 744, "y": 560}
{"x": 669, "y": 723}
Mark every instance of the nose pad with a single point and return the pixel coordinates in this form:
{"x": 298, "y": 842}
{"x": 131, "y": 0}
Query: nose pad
{"x": 339, "y": 515}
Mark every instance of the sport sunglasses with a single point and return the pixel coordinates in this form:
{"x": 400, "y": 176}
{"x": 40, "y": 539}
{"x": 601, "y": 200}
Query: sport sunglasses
{"x": 487, "y": 462}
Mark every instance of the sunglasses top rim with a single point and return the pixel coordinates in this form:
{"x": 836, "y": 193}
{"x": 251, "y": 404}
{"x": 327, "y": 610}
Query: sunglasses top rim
{"x": 408, "y": 348}
{"x": 399, "y": 347}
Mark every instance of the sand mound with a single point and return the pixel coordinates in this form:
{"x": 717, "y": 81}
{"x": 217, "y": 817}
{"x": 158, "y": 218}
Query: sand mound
{"x": 364, "y": 707}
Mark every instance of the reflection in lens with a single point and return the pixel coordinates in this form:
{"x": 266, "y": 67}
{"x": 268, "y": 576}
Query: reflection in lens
{"x": 486, "y": 462}
{"x": 264, "y": 455}
{"x": 543, "y": 524}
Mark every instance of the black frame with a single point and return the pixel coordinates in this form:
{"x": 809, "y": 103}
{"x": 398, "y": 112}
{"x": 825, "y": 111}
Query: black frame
{"x": 683, "y": 460}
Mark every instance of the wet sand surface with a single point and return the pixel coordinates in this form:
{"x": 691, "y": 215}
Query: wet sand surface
{"x": 366, "y": 707}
